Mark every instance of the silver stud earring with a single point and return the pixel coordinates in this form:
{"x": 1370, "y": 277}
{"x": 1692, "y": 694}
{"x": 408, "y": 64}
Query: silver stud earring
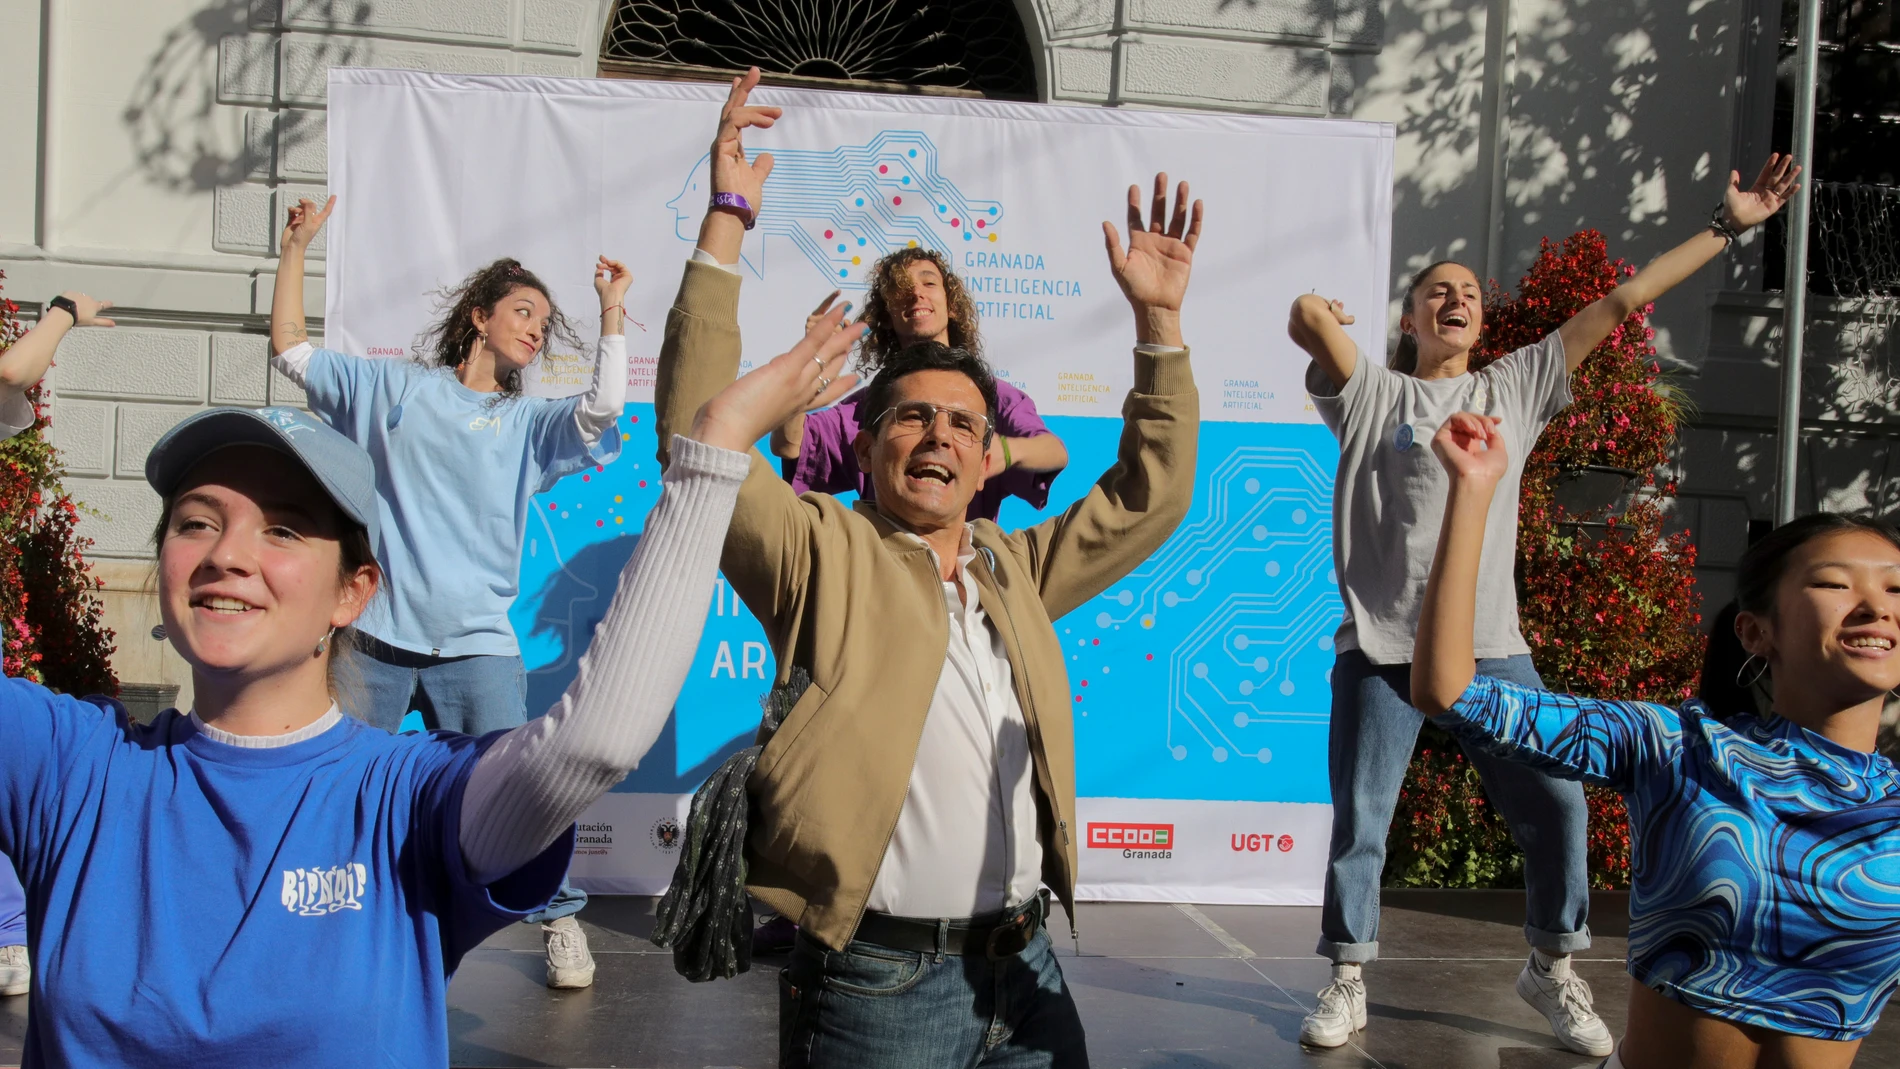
{"x": 324, "y": 642}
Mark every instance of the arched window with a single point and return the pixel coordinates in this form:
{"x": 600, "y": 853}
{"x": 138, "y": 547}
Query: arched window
{"x": 965, "y": 47}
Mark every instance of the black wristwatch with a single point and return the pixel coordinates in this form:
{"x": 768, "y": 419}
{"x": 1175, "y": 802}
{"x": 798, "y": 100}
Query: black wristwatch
{"x": 65, "y": 304}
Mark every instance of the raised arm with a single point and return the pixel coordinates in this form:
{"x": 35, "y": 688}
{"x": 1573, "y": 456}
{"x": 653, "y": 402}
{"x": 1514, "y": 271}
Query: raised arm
{"x": 700, "y": 352}
{"x": 287, "y": 327}
{"x": 531, "y": 784}
{"x": 1580, "y": 738}
{"x": 1315, "y": 325}
{"x": 1472, "y": 450}
{"x": 1741, "y": 211}
{"x": 25, "y": 361}
{"x": 599, "y": 408}
{"x": 1137, "y": 503}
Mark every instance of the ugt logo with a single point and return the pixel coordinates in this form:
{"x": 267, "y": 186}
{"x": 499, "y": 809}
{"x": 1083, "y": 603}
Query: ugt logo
{"x": 317, "y": 892}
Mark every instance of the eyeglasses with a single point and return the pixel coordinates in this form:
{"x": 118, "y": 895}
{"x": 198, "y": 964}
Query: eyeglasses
{"x": 914, "y": 417}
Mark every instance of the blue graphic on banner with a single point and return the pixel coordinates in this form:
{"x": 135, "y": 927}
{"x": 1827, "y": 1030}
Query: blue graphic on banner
{"x": 1202, "y": 675}
{"x": 844, "y": 207}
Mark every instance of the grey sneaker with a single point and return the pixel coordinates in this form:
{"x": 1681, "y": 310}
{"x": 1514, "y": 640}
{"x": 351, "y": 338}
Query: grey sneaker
{"x": 1340, "y": 1013}
{"x": 1563, "y": 998}
{"x": 569, "y": 963}
{"x": 16, "y": 973}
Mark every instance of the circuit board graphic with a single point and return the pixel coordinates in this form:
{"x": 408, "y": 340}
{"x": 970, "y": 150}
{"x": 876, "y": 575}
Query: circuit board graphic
{"x": 844, "y": 207}
{"x": 1203, "y": 674}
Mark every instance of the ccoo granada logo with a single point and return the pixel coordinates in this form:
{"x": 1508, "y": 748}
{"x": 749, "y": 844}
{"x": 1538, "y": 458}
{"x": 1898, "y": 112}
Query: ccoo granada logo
{"x": 1133, "y": 840}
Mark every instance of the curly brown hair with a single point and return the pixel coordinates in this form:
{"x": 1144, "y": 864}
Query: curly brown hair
{"x": 889, "y": 289}
{"x": 449, "y": 341}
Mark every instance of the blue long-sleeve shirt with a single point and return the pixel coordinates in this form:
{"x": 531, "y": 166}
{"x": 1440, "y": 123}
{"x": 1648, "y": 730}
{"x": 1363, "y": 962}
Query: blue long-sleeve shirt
{"x": 1765, "y": 882}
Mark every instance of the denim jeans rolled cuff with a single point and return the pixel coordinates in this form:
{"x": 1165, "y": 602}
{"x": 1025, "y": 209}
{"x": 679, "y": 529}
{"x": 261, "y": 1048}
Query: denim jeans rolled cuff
{"x": 1370, "y": 741}
{"x": 1558, "y": 944}
{"x": 566, "y": 902}
{"x": 1347, "y": 953}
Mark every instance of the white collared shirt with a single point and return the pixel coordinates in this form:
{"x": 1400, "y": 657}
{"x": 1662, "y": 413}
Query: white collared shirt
{"x": 966, "y": 842}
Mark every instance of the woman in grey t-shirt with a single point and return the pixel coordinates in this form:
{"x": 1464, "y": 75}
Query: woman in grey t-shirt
{"x": 1388, "y": 501}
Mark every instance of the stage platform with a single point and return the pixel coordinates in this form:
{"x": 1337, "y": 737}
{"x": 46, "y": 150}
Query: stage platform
{"x": 1176, "y": 986}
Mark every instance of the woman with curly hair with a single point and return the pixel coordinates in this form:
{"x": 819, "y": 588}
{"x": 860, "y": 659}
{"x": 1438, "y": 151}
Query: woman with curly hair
{"x": 459, "y": 455}
{"x": 914, "y": 297}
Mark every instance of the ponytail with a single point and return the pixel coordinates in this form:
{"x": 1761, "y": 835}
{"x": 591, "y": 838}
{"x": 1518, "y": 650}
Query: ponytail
{"x": 1405, "y": 357}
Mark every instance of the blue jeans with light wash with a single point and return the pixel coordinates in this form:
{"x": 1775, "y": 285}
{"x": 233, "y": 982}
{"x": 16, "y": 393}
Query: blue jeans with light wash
{"x": 870, "y": 1005}
{"x": 1374, "y": 728}
{"x": 473, "y": 695}
{"x": 12, "y": 906}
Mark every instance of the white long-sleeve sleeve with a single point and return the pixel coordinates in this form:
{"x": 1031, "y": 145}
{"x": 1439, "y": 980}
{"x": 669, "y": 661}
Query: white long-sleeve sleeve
{"x": 536, "y": 780}
{"x": 601, "y": 405}
{"x": 293, "y": 361}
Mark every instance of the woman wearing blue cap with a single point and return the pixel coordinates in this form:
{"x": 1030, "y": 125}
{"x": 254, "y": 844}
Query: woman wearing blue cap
{"x": 459, "y": 455}
{"x": 331, "y": 875}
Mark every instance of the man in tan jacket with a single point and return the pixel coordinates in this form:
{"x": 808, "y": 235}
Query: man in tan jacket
{"x": 921, "y": 792}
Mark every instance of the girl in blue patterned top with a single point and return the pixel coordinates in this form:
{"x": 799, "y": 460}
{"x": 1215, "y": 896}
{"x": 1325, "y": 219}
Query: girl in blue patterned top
{"x": 1765, "y": 890}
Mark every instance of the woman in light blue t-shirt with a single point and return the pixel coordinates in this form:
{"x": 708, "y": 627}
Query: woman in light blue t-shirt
{"x": 460, "y": 453}
{"x": 1388, "y": 499}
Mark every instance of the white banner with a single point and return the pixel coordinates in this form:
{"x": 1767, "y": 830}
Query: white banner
{"x": 437, "y": 175}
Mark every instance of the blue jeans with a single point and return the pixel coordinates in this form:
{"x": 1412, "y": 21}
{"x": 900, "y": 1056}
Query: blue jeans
{"x": 1374, "y": 728}
{"x": 12, "y": 906}
{"x": 898, "y": 1009}
{"x": 473, "y": 695}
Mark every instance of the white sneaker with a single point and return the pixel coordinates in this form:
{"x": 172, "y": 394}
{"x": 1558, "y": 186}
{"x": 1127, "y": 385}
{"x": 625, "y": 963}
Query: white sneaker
{"x": 16, "y": 973}
{"x": 569, "y": 963}
{"x": 1341, "y": 1012}
{"x": 1562, "y": 997}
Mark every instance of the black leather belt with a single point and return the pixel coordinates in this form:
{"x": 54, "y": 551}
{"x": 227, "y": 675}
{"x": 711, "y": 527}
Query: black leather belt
{"x": 997, "y": 936}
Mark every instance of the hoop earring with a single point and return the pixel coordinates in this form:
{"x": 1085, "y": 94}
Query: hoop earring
{"x": 324, "y": 642}
{"x": 1751, "y": 680}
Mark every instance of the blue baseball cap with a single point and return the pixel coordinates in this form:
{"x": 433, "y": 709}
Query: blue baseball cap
{"x": 339, "y": 465}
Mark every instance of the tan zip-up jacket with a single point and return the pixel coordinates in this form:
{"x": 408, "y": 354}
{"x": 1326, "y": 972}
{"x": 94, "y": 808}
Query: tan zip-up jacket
{"x": 858, "y": 604}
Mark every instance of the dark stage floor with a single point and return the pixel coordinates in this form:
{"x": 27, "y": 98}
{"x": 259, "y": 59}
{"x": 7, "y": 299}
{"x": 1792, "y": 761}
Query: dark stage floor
{"x": 1177, "y": 986}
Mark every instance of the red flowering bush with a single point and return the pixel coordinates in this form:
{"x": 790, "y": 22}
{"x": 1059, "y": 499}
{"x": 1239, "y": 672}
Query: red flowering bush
{"x": 1607, "y": 603}
{"x": 54, "y": 630}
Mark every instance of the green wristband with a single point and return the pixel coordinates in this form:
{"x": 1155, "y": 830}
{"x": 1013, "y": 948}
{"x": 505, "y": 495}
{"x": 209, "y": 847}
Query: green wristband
{"x": 1008, "y": 462}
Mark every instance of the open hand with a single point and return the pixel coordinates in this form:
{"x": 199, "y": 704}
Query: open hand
{"x": 89, "y": 310}
{"x": 304, "y": 222}
{"x": 823, "y": 307}
{"x": 809, "y": 376}
{"x": 1471, "y": 448}
{"x": 1153, "y": 272}
{"x": 731, "y": 172}
{"x": 611, "y": 279}
{"x": 1773, "y": 186}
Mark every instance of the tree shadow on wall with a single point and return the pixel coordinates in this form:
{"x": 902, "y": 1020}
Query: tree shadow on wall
{"x": 570, "y": 605}
{"x": 179, "y": 127}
